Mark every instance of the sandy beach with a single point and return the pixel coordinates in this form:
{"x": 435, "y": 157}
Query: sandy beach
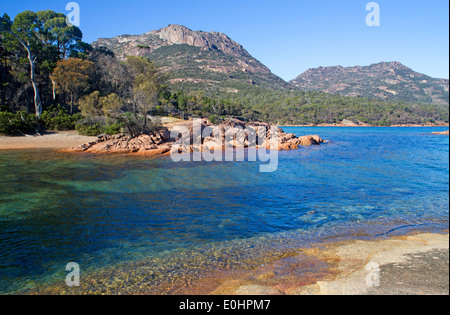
{"x": 59, "y": 139}
{"x": 54, "y": 140}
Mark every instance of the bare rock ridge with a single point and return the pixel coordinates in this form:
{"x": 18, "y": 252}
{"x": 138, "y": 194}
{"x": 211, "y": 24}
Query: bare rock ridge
{"x": 385, "y": 80}
{"x": 178, "y": 35}
{"x": 160, "y": 142}
{"x": 171, "y": 35}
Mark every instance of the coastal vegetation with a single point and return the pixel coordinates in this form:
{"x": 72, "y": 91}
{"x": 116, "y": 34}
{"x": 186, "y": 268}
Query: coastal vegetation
{"x": 51, "y": 79}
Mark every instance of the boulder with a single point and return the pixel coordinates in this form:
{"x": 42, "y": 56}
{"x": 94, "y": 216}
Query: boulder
{"x": 233, "y": 122}
{"x": 308, "y": 141}
{"x": 286, "y": 147}
{"x": 213, "y": 144}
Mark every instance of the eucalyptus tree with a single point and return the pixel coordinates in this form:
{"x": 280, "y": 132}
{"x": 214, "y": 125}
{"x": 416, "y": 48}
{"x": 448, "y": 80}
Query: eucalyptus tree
{"x": 72, "y": 76}
{"x": 146, "y": 87}
{"x": 24, "y": 29}
{"x": 44, "y": 37}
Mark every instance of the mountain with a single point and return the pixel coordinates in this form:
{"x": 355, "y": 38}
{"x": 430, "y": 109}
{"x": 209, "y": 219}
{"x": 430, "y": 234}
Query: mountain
{"x": 385, "y": 80}
{"x": 196, "y": 59}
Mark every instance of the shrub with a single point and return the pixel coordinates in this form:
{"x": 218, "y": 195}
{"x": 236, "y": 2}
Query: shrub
{"x": 89, "y": 129}
{"x": 214, "y": 119}
{"x": 17, "y": 123}
{"x": 94, "y": 127}
{"x": 58, "y": 118}
{"x": 5, "y": 123}
{"x": 112, "y": 129}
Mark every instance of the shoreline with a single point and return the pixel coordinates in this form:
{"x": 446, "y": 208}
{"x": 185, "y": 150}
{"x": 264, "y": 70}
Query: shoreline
{"x": 54, "y": 140}
{"x": 64, "y": 140}
{"x": 368, "y": 126}
{"x": 414, "y": 264}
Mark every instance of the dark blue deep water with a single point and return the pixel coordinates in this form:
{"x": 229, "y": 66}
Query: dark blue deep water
{"x": 103, "y": 211}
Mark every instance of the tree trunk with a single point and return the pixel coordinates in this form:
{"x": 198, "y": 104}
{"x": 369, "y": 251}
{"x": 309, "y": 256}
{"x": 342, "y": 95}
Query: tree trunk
{"x": 37, "y": 98}
{"x": 144, "y": 127}
{"x": 71, "y": 103}
{"x": 53, "y": 88}
{"x": 32, "y": 60}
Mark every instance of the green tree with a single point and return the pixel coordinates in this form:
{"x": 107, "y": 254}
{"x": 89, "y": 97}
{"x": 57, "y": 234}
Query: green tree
{"x": 44, "y": 37}
{"x": 111, "y": 105}
{"x": 146, "y": 87}
{"x": 26, "y": 29}
{"x": 64, "y": 37}
{"x": 71, "y": 77}
{"x": 90, "y": 105}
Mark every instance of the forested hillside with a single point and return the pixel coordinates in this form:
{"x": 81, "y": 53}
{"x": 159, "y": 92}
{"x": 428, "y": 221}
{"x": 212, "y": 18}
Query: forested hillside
{"x": 386, "y": 80}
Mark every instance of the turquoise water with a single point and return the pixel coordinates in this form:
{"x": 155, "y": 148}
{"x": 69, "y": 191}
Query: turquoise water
{"x": 113, "y": 212}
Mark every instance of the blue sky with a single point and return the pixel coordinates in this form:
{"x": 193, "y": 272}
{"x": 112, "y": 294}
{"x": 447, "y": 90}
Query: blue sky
{"x": 288, "y": 36}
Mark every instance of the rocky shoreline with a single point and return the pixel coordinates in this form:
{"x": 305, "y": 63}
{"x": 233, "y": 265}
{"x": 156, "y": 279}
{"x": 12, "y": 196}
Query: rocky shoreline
{"x": 349, "y": 123}
{"x": 160, "y": 142}
{"x": 414, "y": 264}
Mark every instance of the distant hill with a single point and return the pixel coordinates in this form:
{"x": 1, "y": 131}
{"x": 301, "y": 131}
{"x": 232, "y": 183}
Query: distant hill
{"x": 385, "y": 80}
{"x": 197, "y": 59}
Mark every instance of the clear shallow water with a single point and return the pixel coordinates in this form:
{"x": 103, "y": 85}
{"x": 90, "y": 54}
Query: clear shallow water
{"x": 114, "y": 213}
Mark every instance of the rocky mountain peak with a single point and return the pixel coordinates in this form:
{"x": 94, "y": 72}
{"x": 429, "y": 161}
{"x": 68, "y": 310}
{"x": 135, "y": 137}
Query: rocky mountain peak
{"x": 175, "y": 34}
{"x": 178, "y": 34}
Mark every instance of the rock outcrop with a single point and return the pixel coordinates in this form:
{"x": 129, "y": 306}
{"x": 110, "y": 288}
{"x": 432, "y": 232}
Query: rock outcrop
{"x": 349, "y": 123}
{"x": 156, "y": 143}
{"x": 442, "y": 133}
{"x": 231, "y": 134}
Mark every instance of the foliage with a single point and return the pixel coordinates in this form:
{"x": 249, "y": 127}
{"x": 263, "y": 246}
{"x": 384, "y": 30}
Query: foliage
{"x": 58, "y": 118}
{"x": 71, "y": 77}
{"x": 18, "y": 123}
{"x": 90, "y": 105}
{"x": 214, "y": 119}
{"x": 300, "y": 107}
{"x": 111, "y": 105}
{"x": 40, "y": 39}
{"x": 146, "y": 87}
{"x": 94, "y": 127}
{"x": 54, "y": 118}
